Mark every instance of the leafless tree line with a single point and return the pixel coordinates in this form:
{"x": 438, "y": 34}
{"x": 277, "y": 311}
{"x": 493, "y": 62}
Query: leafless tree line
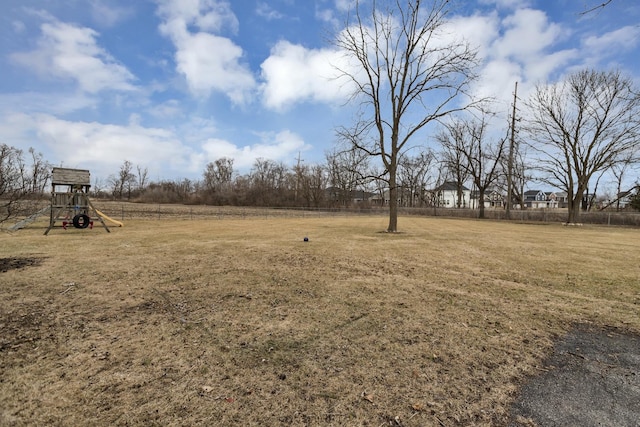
{"x": 21, "y": 179}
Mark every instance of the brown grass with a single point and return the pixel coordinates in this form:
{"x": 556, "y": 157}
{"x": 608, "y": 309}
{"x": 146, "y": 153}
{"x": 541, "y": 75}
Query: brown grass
{"x": 240, "y": 322}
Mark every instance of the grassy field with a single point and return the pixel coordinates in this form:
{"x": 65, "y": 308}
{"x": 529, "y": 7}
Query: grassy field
{"x": 241, "y": 322}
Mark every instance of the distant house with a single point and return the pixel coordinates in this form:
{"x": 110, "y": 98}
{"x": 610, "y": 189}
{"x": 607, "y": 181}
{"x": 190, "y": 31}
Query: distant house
{"x": 493, "y": 198}
{"x": 348, "y": 197}
{"x": 624, "y": 199}
{"x": 563, "y": 199}
{"x": 446, "y": 195}
{"x": 537, "y": 199}
{"x": 552, "y": 200}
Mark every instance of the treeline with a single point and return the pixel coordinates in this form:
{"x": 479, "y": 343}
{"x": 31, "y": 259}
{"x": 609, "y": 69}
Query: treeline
{"x": 345, "y": 179}
{"x": 24, "y": 178}
{"x": 267, "y": 184}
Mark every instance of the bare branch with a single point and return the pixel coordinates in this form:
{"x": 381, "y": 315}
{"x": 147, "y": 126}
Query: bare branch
{"x": 593, "y": 9}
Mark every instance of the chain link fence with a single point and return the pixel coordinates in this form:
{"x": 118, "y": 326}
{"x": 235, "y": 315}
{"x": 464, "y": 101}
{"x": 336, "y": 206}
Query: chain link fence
{"x": 124, "y": 211}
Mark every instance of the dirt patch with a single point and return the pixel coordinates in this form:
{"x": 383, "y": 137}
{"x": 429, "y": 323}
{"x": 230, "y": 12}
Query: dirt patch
{"x": 592, "y": 379}
{"x": 13, "y": 263}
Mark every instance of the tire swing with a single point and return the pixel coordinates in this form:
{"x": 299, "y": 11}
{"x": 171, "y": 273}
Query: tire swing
{"x": 81, "y": 221}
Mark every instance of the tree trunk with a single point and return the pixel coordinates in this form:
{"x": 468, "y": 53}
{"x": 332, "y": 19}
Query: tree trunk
{"x": 393, "y": 202}
{"x": 481, "y": 204}
{"x": 574, "y": 210}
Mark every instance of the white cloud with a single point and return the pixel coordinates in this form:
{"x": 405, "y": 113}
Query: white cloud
{"x": 527, "y": 34}
{"x": 294, "y": 74}
{"x": 480, "y": 31}
{"x": 70, "y": 52}
{"x": 333, "y": 15}
{"x": 56, "y": 103}
{"x": 100, "y": 147}
{"x": 107, "y": 14}
{"x": 345, "y": 5}
{"x": 516, "y": 48}
{"x": 207, "y": 15}
{"x": 274, "y": 146}
{"x": 613, "y": 42}
{"x": 167, "y": 109}
{"x": 207, "y": 61}
{"x": 267, "y": 12}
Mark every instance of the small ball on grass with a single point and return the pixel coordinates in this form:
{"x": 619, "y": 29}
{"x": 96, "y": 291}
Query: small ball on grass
{"x": 306, "y": 239}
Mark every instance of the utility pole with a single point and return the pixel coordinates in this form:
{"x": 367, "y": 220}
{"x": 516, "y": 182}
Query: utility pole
{"x": 511, "y": 148}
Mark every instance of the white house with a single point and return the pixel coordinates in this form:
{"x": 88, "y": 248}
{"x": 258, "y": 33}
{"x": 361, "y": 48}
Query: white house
{"x": 447, "y": 196}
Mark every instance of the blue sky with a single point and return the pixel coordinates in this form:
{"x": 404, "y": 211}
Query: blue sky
{"x": 174, "y": 84}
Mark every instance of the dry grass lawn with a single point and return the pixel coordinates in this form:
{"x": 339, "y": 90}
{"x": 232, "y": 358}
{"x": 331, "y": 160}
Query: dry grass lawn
{"x": 240, "y": 322}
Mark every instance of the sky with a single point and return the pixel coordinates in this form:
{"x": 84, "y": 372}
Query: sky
{"x": 171, "y": 85}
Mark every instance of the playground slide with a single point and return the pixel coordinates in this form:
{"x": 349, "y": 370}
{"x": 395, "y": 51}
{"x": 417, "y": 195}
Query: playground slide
{"x": 109, "y": 219}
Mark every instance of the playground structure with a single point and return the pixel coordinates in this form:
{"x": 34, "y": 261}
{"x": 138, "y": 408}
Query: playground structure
{"x": 70, "y": 200}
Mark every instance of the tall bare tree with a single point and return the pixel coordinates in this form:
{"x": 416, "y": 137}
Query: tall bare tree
{"x": 123, "y": 181}
{"x": 482, "y": 157}
{"x": 40, "y": 175}
{"x": 143, "y": 173}
{"x": 407, "y": 71}
{"x": 452, "y": 159}
{"x": 580, "y": 127}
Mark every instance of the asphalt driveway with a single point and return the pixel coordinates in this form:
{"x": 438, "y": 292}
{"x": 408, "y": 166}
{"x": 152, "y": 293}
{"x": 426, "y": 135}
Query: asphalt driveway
{"x": 591, "y": 379}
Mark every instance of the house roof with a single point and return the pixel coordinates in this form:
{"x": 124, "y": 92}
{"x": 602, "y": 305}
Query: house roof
{"x": 450, "y": 186}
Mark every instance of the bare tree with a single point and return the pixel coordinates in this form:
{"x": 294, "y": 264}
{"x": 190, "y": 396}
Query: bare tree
{"x": 123, "y": 181}
{"x": 39, "y": 177}
{"x": 482, "y": 158}
{"x": 580, "y": 127}
{"x": 348, "y": 171}
{"x": 143, "y": 173}
{"x": 407, "y": 73}
{"x": 635, "y": 198}
{"x": 218, "y": 179}
{"x": 312, "y": 184}
{"x": 452, "y": 158}
{"x": 272, "y": 184}
{"x": 414, "y": 176}
{"x": 14, "y": 185}
{"x": 620, "y": 172}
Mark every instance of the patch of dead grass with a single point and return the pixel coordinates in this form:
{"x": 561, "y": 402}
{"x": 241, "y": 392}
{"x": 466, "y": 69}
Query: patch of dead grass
{"x": 240, "y": 322}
